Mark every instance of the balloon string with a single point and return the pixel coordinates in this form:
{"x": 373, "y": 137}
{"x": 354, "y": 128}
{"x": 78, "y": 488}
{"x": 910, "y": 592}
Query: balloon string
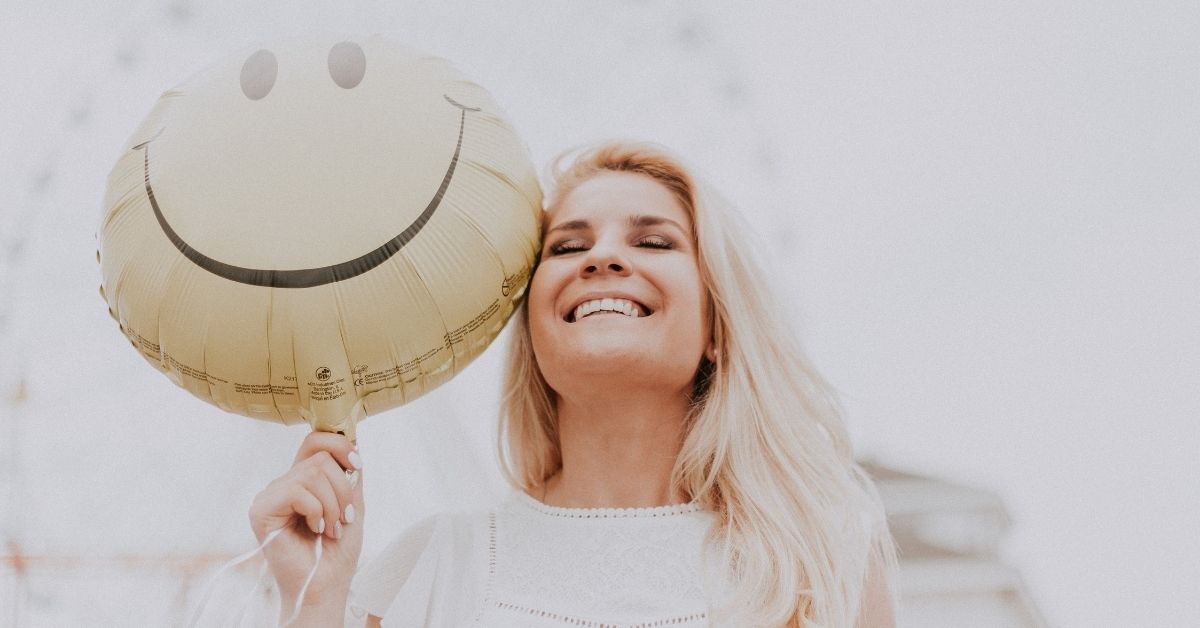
{"x": 208, "y": 590}
{"x": 212, "y": 583}
{"x": 262, "y": 574}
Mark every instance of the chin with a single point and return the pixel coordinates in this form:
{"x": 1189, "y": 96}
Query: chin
{"x": 598, "y": 358}
{"x": 617, "y": 368}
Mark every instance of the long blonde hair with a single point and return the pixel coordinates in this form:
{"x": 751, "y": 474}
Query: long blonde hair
{"x": 765, "y": 446}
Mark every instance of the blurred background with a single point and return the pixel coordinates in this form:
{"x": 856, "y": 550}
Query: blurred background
{"x": 983, "y": 216}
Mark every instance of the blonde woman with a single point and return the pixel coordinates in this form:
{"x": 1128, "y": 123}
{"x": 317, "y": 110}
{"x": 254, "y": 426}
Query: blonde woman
{"x": 675, "y": 460}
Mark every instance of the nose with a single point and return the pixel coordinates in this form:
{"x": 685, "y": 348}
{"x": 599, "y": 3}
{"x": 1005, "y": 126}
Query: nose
{"x": 604, "y": 259}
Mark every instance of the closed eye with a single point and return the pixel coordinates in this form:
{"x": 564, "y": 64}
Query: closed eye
{"x": 568, "y": 246}
{"x": 655, "y": 242}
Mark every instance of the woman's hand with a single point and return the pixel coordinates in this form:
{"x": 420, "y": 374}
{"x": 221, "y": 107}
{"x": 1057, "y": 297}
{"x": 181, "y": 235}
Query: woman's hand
{"x": 316, "y": 496}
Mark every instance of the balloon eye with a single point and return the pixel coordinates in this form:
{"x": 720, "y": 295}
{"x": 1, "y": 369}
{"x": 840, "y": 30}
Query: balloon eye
{"x": 258, "y": 74}
{"x": 347, "y": 64}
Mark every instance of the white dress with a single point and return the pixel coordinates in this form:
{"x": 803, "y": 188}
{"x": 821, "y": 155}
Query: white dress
{"x": 531, "y": 565}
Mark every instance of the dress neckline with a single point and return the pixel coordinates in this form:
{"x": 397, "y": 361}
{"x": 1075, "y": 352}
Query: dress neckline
{"x": 534, "y": 504}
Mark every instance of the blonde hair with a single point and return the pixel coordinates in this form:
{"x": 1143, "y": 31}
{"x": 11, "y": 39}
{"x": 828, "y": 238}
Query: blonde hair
{"x": 765, "y": 447}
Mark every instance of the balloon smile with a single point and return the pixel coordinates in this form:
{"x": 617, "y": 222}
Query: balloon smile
{"x": 308, "y": 277}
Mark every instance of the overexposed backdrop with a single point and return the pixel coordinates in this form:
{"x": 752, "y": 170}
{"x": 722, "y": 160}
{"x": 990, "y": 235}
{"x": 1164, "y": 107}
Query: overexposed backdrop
{"x": 984, "y": 218}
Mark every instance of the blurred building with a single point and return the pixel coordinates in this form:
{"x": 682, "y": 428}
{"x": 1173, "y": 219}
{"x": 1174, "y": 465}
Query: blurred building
{"x": 949, "y": 538}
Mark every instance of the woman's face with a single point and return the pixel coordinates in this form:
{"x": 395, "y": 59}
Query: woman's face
{"x": 617, "y": 297}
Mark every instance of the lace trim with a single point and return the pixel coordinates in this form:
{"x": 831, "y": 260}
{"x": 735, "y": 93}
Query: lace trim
{"x": 575, "y": 621}
{"x": 606, "y": 513}
{"x": 491, "y": 577}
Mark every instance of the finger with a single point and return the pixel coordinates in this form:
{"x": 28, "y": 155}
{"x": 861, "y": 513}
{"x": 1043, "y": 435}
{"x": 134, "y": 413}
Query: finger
{"x": 357, "y": 487}
{"x": 307, "y": 505}
{"x": 354, "y": 478}
{"x": 278, "y": 504}
{"x": 344, "y": 484}
{"x": 317, "y": 482}
{"x": 337, "y": 445}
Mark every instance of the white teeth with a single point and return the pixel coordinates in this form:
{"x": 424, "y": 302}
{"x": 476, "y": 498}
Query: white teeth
{"x": 622, "y": 306}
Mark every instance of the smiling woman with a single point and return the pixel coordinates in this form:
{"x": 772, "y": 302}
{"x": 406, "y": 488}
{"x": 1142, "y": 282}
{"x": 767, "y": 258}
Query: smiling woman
{"x": 675, "y": 460}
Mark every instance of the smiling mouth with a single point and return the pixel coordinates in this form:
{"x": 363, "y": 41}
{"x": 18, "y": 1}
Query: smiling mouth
{"x": 607, "y": 306}
{"x": 307, "y": 277}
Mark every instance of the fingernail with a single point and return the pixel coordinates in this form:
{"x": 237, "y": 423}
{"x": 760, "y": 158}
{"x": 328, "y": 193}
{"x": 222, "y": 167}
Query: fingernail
{"x": 350, "y": 515}
{"x": 321, "y": 527}
{"x": 353, "y": 477}
{"x": 355, "y": 460}
{"x": 337, "y": 529}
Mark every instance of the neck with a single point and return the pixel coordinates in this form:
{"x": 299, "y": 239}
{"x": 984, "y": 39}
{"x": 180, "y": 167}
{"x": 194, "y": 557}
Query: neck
{"x": 618, "y": 451}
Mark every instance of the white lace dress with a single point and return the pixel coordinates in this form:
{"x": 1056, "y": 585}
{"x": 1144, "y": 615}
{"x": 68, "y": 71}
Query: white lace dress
{"x": 531, "y": 565}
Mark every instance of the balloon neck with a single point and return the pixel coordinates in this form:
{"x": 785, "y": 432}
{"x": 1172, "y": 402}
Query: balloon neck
{"x": 337, "y": 421}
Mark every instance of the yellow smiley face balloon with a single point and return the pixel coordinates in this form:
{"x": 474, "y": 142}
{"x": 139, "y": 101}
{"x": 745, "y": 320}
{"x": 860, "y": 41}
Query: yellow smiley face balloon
{"x": 317, "y": 231}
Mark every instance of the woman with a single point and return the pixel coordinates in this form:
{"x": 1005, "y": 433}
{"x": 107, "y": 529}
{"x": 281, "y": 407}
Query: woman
{"x": 677, "y": 462}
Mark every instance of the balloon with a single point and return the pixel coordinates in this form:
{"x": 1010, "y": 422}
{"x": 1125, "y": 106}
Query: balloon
{"x": 317, "y": 231}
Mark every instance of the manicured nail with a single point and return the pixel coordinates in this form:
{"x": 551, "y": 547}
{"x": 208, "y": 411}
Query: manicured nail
{"x": 350, "y": 515}
{"x": 355, "y": 460}
{"x": 353, "y": 478}
{"x": 337, "y": 529}
{"x": 321, "y": 527}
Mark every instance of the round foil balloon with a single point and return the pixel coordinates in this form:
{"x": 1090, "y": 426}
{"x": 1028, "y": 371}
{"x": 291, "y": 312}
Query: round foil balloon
{"x": 318, "y": 231}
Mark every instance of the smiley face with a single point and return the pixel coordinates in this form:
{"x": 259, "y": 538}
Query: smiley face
{"x": 379, "y": 189}
{"x": 307, "y": 168}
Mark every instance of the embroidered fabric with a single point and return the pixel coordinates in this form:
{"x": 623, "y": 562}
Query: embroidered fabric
{"x": 537, "y": 566}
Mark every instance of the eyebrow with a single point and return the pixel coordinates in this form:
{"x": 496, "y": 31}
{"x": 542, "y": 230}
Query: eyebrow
{"x": 637, "y": 220}
{"x": 570, "y": 225}
{"x": 650, "y": 221}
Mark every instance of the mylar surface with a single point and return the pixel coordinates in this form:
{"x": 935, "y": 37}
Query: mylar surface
{"x": 319, "y": 230}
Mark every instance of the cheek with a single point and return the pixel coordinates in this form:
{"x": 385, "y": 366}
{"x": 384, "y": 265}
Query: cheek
{"x": 540, "y": 305}
{"x": 689, "y": 284}
{"x": 541, "y": 295}
{"x": 700, "y": 305}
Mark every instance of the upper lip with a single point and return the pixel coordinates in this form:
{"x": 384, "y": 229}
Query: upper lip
{"x": 646, "y": 311}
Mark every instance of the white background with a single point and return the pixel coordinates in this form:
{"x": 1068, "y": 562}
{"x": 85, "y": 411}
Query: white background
{"x": 983, "y": 217}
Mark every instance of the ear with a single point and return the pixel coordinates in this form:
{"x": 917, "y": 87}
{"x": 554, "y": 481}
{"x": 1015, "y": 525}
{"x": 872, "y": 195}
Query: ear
{"x": 711, "y": 352}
